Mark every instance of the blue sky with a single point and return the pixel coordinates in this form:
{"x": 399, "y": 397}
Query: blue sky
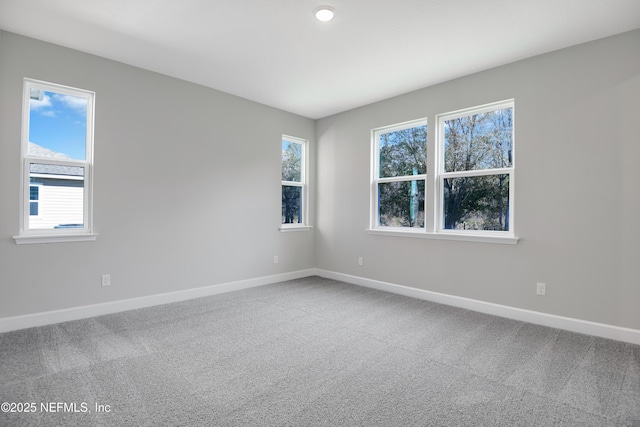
{"x": 59, "y": 122}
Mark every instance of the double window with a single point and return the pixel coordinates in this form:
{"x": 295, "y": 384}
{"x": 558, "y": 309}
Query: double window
{"x": 464, "y": 187}
{"x": 57, "y": 162}
{"x": 294, "y": 184}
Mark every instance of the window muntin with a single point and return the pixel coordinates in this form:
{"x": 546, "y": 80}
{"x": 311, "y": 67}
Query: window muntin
{"x": 294, "y": 187}
{"x": 57, "y": 147}
{"x": 399, "y": 171}
{"x": 476, "y": 169}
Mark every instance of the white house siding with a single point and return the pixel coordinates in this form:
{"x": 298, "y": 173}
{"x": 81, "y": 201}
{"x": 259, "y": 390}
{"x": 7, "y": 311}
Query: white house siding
{"x": 61, "y": 201}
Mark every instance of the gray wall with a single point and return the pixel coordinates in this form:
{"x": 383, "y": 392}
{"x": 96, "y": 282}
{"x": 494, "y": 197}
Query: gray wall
{"x": 577, "y": 206}
{"x": 171, "y": 157}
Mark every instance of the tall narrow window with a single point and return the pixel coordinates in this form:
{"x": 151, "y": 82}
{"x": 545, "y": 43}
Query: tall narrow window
{"x": 476, "y": 169}
{"x": 399, "y": 175}
{"x": 294, "y": 189}
{"x": 57, "y": 160}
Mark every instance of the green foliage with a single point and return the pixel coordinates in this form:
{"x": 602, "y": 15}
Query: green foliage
{"x": 477, "y": 203}
{"x": 291, "y": 162}
{"x": 479, "y": 141}
{"x": 291, "y": 204}
{"x": 401, "y": 203}
{"x": 403, "y": 151}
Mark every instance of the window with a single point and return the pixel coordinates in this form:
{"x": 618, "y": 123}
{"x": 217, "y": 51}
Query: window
{"x": 57, "y": 157}
{"x": 400, "y": 168}
{"x": 476, "y": 169}
{"x": 34, "y": 197}
{"x": 464, "y": 189}
{"x": 294, "y": 187}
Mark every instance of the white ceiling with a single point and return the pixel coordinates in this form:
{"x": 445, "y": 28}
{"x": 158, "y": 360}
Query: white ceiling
{"x": 276, "y": 53}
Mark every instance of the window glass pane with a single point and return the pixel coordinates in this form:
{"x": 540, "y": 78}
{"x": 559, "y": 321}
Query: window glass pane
{"x": 479, "y": 141}
{"x": 61, "y": 196}
{"x": 291, "y": 204}
{"x": 33, "y": 192}
{"x": 401, "y": 204}
{"x": 33, "y": 197}
{"x": 403, "y": 152}
{"x": 291, "y": 161}
{"x": 477, "y": 203}
{"x": 57, "y": 125}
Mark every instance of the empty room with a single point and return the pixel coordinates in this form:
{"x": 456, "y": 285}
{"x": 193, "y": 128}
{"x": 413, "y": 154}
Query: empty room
{"x": 301, "y": 213}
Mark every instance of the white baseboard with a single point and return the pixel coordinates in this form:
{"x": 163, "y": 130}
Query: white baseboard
{"x": 574, "y": 325}
{"x": 559, "y": 322}
{"x": 56, "y": 316}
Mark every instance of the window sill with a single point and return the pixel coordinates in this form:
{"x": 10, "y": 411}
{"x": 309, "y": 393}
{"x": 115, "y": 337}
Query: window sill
{"x": 54, "y": 238}
{"x": 286, "y": 229}
{"x": 502, "y": 239}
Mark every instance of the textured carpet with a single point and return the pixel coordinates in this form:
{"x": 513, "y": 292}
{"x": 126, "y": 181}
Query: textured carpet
{"x": 313, "y": 352}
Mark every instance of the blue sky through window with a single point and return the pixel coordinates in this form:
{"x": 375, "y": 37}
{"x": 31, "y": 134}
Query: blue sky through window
{"x": 59, "y": 122}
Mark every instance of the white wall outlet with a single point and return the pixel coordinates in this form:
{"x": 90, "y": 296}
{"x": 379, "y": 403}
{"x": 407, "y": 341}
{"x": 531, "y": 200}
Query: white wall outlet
{"x": 275, "y": 259}
{"x": 106, "y": 280}
{"x": 541, "y": 288}
{"x": 360, "y": 260}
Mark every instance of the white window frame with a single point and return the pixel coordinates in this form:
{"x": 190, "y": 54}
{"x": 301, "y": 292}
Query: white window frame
{"x": 434, "y": 182}
{"x": 442, "y": 174}
{"x": 376, "y": 179}
{"x": 303, "y": 185}
{"x": 86, "y": 233}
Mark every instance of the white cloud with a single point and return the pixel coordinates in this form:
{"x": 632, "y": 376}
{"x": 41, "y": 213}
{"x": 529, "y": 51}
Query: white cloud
{"x": 57, "y": 104}
{"x": 38, "y": 105}
{"x": 79, "y": 105}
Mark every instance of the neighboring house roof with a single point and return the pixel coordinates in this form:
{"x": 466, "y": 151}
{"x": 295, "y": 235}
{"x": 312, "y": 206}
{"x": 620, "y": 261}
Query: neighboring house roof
{"x": 40, "y": 151}
{"x": 36, "y": 150}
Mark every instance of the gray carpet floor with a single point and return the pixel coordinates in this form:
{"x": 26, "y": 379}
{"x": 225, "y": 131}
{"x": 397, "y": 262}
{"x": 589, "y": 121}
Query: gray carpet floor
{"x": 315, "y": 352}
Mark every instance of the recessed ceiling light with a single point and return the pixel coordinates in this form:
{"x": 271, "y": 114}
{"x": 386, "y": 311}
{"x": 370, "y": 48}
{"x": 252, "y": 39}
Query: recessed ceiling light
{"x": 324, "y": 13}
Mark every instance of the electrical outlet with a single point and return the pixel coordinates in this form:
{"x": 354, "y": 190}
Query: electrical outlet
{"x": 360, "y": 261}
{"x": 275, "y": 259}
{"x": 106, "y": 280}
{"x": 541, "y": 288}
